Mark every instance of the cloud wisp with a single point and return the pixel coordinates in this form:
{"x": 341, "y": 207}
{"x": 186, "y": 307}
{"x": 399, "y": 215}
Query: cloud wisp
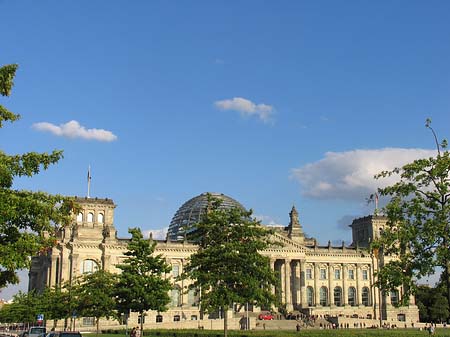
{"x": 73, "y": 129}
{"x": 247, "y": 108}
{"x": 266, "y": 220}
{"x": 350, "y": 175}
{"x": 157, "y": 234}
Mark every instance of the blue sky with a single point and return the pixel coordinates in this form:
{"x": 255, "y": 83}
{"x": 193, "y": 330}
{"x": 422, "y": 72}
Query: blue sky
{"x": 271, "y": 103}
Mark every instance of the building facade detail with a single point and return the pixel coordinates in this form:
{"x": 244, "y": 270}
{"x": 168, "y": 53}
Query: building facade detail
{"x": 314, "y": 279}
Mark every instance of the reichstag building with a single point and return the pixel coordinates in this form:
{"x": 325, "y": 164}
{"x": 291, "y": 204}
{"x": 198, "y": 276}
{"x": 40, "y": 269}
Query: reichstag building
{"x": 315, "y": 280}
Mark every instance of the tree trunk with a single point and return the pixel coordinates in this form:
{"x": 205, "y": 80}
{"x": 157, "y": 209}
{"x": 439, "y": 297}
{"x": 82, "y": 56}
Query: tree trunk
{"x": 447, "y": 281}
{"x": 225, "y": 323}
{"x": 142, "y": 324}
{"x": 98, "y": 325}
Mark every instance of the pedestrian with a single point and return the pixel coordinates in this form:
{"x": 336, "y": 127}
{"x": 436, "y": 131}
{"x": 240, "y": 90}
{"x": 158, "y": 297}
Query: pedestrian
{"x": 133, "y": 332}
{"x": 138, "y": 332}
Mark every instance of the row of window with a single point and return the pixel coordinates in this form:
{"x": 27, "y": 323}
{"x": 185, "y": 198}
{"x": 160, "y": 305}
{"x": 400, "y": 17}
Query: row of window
{"x": 90, "y": 217}
{"x": 175, "y": 296}
{"x": 337, "y": 296}
{"x": 90, "y": 266}
{"x": 351, "y": 296}
{"x": 337, "y": 274}
{"x": 90, "y": 321}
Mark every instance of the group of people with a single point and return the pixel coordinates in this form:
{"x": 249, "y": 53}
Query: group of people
{"x": 431, "y": 329}
{"x": 135, "y": 332}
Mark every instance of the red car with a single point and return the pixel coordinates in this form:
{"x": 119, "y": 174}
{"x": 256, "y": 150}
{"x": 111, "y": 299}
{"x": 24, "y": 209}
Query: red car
{"x": 266, "y": 316}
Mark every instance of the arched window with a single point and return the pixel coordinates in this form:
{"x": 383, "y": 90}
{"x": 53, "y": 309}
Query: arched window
{"x": 310, "y": 296}
{"x": 90, "y": 217}
{"x": 100, "y": 218}
{"x": 394, "y": 297}
{"x": 337, "y": 294}
{"x": 80, "y": 217}
{"x": 175, "y": 297}
{"x": 323, "y": 293}
{"x": 192, "y": 297}
{"x": 352, "y": 296}
{"x": 365, "y": 296}
{"x": 89, "y": 266}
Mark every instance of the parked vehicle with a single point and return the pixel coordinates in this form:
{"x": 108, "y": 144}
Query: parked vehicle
{"x": 266, "y": 316}
{"x": 34, "y": 331}
{"x": 64, "y": 334}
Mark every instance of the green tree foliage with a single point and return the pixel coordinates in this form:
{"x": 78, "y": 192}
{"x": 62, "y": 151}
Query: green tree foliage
{"x": 95, "y": 296}
{"x": 141, "y": 285}
{"x": 24, "y": 308}
{"x": 418, "y": 227}
{"x": 24, "y": 215}
{"x": 228, "y": 267}
{"x": 432, "y": 303}
{"x": 58, "y": 303}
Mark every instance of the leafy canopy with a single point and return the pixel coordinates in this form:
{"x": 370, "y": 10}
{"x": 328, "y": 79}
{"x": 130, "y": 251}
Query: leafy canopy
{"x": 95, "y": 296}
{"x": 24, "y": 215}
{"x": 228, "y": 266}
{"x": 418, "y": 227}
{"x": 141, "y": 285}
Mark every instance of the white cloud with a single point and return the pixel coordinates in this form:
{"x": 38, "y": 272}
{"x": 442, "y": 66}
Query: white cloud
{"x": 73, "y": 129}
{"x": 157, "y": 234}
{"x": 266, "y": 220}
{"x": 247, "y": 108}
{"x": 350, "y": 175}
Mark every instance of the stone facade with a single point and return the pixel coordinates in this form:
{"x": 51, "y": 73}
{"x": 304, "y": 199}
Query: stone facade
{"x": 315, "y": 280}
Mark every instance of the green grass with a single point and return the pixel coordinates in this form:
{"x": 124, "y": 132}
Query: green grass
{"x": 281, "y": 333}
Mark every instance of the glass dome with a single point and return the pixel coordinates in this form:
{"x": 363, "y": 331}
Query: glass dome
{"x": 190, "y": 212}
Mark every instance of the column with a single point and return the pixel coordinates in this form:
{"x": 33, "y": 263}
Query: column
{"x": 344, "y": 284}
{"x": 330, "y": 290}
{"x": 316, "y": 284}
{"x": 51, "y": 281}
{"x": 272, "y": 262}
{"x": 287, "y": 279}
{"x": 297, "y": 283}
{"x": 282, "y": 266}
{"x": 303, "y": 299}
{"x": 358, "y": 283}
{"x": 183, "y": 296}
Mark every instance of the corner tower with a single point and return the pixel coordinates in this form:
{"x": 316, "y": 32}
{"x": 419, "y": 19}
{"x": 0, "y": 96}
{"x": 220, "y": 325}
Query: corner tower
{"x": 295, "y": 230}
{"x": 367, "y": 229}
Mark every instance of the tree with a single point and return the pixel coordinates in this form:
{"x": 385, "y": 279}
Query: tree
{"x": 57, "y": 303}
{"x": 24, "y": 308}
{"x": 141, "y": 285}
{"x": 418, "y": 227}
{"x": 432, "y": 303}
{"x": 228, "y": 266}
{"x": 25, "y": 216}
{"x": 95, "y": 295}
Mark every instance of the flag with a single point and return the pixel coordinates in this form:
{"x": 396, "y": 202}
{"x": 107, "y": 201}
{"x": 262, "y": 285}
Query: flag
{"x": 89, "y": 175}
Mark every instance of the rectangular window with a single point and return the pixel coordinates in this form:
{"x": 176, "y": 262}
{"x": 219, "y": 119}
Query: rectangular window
{"x": 394, "y": 297}
{"x": 323, "y": 274}
{"x": 308, "y": 273}
{"x": 88, "y": 321}
{"x": 365, "y": 275}
{"x": 337, "y": 274}
{"x": 351, "y": 274}
{"x": 175, "y": 270}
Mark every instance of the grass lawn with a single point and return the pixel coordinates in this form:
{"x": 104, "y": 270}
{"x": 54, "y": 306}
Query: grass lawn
{"x": 281, "y": 333}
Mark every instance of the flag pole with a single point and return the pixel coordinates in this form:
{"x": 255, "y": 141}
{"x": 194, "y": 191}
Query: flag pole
{"x": 376, "y": 203}
{"x": 89, "y": 181}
